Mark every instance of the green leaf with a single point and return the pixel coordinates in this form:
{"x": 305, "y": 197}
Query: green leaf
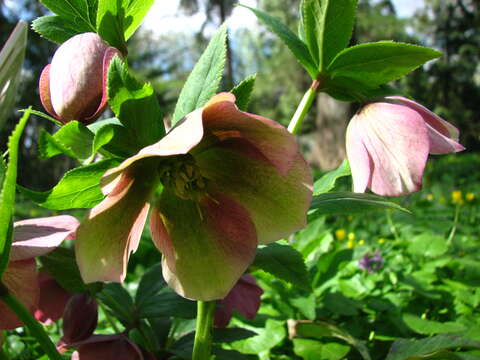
{"x": 328, "y": 26}
{"x": 327, "y": 181}
{"x": 268, "y": 337}
{"x": 284, "y": 262}
{"x": 78, "y": 189}
{"x": 73, "y": 139}
{"x": 404, "y": 349}
{"x": 80, "y": 14}
{"x": 11, "y": 60}
{"x": 309, "y": 349}
{"x": 243, "y": 91}
{"x": 428, "y": 244}
{"x": 135, "y": 105}
{"x": 321, "y": 329}
{"x": 3, "y": 170}
{"x": 349, "y": 203}
{"x": 228, "y": 335}
{"x": 54, "y": 28}
{"x": 119, "y": 303}
{"x": 61, "y": 264}
{"x": 374, "y": 64}
{"x": 296, "y": 46}
{"x": 204, "y": 80}
{"x": 150, "y": 284}
{"x": 7, "y": 195}
{"x": 430, "y": 327}
{"x": 136, "y": 10}
{"x": 122, "y": 144}
{"x": 110, "y": 23}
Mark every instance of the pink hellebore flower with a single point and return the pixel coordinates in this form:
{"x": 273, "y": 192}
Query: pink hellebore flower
{"x": 231, "y": 180}
{"x": 73, "y": 86}
{"x": 388, "y": 144}
{"x": 79, "y": 319}
{"x": 32, "y": 238}
{"x": 244, "y": 298}
{"x": 52, "y": 301}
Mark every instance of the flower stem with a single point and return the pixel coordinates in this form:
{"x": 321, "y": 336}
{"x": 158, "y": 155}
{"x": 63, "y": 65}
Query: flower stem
{"x": 454, "y": 226}
{"x": 303, "y": 108}
{"x": 33, "y": 325}
{"x": 203, "y": 333}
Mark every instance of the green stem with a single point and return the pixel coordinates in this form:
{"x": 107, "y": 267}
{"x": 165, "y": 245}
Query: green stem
{"x": 454, "y": 226}
{"x": 33, "y": 325}
{"x": 392, "y": 226}
{"x": 203, "y": 333}
{"x": 303, "y": 108}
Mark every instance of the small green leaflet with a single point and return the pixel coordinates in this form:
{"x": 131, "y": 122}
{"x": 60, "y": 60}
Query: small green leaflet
{"x": 327, "y": 181}
{"x": 284, "y": 262}
{"x": 54, "y": 28}
{"x": 110, "y": 23}
{"x": 11, "y": 60}
{"x": 431, "y": 327}
{"x": 349, "y": 203}
{"x": 296, "y": 46}
{"x": 135, "y": 11}
{"x": 243, "y": 92}
{"x": 78, "y": 189}
{"x": 135, "y": 105}
{"x": 80, "y": 13}
{"x": 204, "y": 80}
{"x": 7, "y": 195}
{"x": 328, "y": 26}
{"x": 374, "y": 64}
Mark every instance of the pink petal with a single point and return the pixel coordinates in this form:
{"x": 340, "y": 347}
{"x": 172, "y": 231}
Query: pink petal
{"x": 206, "y": 248}
{"x": 113, "y": 228}
{"x": 359, "y": 159}
{"x": 37, "y": 237}
{"x": 397, "y": 142}
{"x": 44, "y": 91}
{"x": 53, "y": 299}
{"x": 20, "y": 278}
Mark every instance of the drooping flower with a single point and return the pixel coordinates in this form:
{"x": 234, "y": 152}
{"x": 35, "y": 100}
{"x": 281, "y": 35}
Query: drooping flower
{"x": 32, "y": 238}
{"x": 52, "y": 300}
{"x": 79, "y": 319}
{"x": 244, "y": 298}
{"x": 231, "y": 180}
{"x": 388, "y": 143}
{"x": 73, "y": 86}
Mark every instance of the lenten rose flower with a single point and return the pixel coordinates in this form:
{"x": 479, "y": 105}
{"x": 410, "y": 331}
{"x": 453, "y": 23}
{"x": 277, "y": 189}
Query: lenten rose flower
{"x": 73, "y": 86}
{"x": 32, "y": 238}
{"x": 388, "y": 143}
{"x": 231, "y": 180}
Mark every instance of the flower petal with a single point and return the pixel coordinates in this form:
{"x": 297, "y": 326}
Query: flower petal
{"x": 52, "y": 301}
{"x": 107, "y": 347}
{"x": 20, "y": 278}
{"x": 397, "y": 142}
{"x": 44, "y": 91}
{"x": 114, "y": 227}
{"x": 277, "y": 204}
{"x": 225, "y": 121}
{"x": 360, "y": 161}
{"x": 36, "y": 237}
{"x": 206, "y": 248}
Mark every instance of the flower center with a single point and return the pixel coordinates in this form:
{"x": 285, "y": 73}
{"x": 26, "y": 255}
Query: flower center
{"x": 183, "y": 176}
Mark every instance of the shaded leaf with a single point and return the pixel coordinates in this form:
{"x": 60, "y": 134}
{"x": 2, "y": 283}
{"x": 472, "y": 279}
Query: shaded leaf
{"x": 327, "y": 181}
{"x": 54, "y": 28}
{"x": 61, "y": 264}
{"x": 243, "y": 91}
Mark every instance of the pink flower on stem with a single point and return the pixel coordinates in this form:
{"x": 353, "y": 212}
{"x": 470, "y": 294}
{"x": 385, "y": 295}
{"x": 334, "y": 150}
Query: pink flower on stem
{"x": 244, "y": 298}
{"x": 79, "y": 319}
{"x": 231, "y": 180}
{"x": 52, "y": 300}
{"x": 388, "y": 143}
{"x": 73, "y": 86}
{"x": 32, "y": 238}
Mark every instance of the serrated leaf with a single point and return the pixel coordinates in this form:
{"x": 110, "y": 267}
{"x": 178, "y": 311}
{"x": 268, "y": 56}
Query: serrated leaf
{"x": 167, "y": 304}
{"x": 136, "y": 10}
{"x": 110, "y": 23}
{"x": 431, "y": 327}
{"x": 7, "y": 195}
{"x": 77, "y": 12}
{"x": 243, "y": 92}
{"x": 135, "y": 105}
{"x": 150, "y": 284}
{"x": 11, "y": 60}
{"x": 78, "y": 189}
{"x": 404, "y": 349}
{"x": 309, "y": 349}
{"x": 271, "y": 335}
{"x": 123, "y": 142}
{"x": 284, "y": 262}
{"x": 54, "y": 28}
{"x": 204, "y": 80}
{"x": 328, "y": 26}
{"x": 296, "y": 46}
{"x": 349, "y": 203}
{"x": 61, "y": 264}
{"x": 73, "y": 139}
{"x": 374, "y": 64}
{"x": 327, "y": 181}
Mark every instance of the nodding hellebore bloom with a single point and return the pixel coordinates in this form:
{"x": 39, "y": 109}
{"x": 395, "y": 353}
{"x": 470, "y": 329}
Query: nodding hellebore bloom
{"x": 32, "y": 238}
{"x": 388, "y": 143}
{"x": 73, "y": 86}
{"x": 231, "y": 180}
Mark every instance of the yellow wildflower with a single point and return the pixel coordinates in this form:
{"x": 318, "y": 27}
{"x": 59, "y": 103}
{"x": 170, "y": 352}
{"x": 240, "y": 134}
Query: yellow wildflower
{"x": 430, "y": 197}
{"x": 381, "y": 241}
{"x": 457, "y": 197}
{"x": 361, "y": 242}
{"x": 340, "y": 234}
{"x": 351, "y": 236}
{"x": 470, "y": 197}
{"x": 351, "y": 243}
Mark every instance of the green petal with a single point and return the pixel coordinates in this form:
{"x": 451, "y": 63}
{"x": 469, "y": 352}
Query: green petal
{"x": 114, "y": 227}
{"x": 277, "y": 204}
{"x": 207, "y": 247}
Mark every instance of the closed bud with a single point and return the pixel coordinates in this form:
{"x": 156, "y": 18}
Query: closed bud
{"x": 80, "y": 318}
{"x": 73, "y": 86}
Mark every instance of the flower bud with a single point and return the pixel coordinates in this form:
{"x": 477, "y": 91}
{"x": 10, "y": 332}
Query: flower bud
{"x": 53, "y": 299}
{"x": 73, "y": 86}
{"x": 80, "y": 318}
{"x": 109, "y": 347}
